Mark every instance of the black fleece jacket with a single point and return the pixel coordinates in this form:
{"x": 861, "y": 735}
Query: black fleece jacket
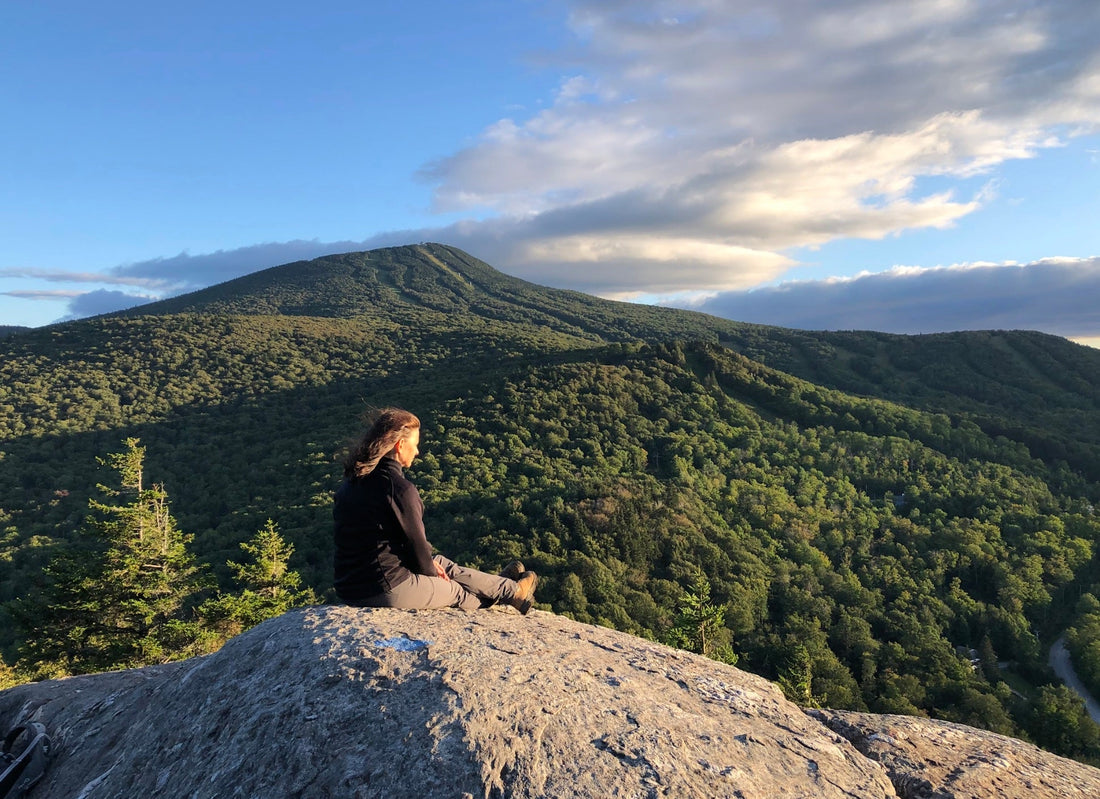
{"x": 379, "y": 532}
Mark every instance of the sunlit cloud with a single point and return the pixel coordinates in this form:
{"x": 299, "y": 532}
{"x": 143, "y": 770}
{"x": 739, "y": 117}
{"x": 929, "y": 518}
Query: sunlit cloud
{"x": 762, "y": 127}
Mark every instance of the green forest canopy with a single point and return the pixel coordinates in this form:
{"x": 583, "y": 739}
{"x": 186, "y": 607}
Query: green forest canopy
{"x": 883, "y": 519}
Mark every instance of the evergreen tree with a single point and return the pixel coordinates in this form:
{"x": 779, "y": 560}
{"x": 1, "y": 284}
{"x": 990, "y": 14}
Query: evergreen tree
{"x": 700, "y": 624}
{"x": 122, "y": 596}
{"x": 269, "y": 587}
{"x": 796, "y": 676}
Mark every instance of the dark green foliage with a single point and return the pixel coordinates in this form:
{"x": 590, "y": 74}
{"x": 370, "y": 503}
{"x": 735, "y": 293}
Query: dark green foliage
{"x": 1036, "y": 390}
{"x": 700, "y": 625}
{"x": 120, "y": 598}
{"x": 268, "y": 587}
{"x": 862, "y": 506}
{"x": 796, "y": 674}
{"x": 1060, "y": 723}
{"x": 1083, "y": 641}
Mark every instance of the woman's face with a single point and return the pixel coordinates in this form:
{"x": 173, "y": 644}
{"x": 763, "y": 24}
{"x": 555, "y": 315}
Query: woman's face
{"x": 406, "y": 449}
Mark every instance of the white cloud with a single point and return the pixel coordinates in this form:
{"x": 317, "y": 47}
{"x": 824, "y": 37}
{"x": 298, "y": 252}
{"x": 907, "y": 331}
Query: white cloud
{"x": 658, "y": 263}
{"x": 748, "y": 126}
{"x": 1055, "y": 295}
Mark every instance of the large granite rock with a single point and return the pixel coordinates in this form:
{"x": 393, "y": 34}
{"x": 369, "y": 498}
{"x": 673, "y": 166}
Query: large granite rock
{"x": 939, "y": 760}
{"x": 343, "y": 702}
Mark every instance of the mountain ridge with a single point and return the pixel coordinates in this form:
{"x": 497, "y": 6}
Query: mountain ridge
{"x": 923, "y": 371}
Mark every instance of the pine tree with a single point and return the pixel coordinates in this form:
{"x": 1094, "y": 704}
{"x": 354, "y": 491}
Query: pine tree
{"x": 796, "y": 676}
{"x": 267, "y": 574}
{"x": 121, "y": 596}
{"x": 268, "y": 587}
{"x": 700, "y": 624}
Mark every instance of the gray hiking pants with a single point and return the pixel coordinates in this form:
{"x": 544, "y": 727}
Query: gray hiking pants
{"x": 468, "y": 589}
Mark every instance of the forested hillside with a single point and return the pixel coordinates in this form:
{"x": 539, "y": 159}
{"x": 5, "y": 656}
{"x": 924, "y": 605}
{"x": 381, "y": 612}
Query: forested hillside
{"x": 884, "y": 522}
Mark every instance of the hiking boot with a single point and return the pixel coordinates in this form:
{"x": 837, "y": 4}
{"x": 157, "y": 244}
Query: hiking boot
{"x": 513, "y": 571}
{"x": 524, "y": 597}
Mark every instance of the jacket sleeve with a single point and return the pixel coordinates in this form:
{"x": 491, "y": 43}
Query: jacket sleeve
{"x": 408, "y": 508}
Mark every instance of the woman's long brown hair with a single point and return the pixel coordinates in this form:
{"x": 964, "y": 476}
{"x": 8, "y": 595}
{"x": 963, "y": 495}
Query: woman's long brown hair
{"x": 390, "y": 425}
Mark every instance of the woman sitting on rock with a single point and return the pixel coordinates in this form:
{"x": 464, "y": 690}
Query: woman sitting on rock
{"x": 383, "y": 558}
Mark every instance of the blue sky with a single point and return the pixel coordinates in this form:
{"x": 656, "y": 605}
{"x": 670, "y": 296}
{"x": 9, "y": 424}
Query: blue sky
{"x": 920, "y": 166}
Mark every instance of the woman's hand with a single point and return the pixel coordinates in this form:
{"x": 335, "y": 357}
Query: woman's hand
{"x": 441, "y": 572}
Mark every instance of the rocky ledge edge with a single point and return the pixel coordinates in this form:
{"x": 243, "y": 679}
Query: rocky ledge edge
{"x": 346, "y": 702}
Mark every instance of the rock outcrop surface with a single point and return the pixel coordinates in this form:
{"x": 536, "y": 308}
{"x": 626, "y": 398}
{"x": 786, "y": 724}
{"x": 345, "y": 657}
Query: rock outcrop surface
{"x": 344, "y": 702}
{"x": 939, "y": 760}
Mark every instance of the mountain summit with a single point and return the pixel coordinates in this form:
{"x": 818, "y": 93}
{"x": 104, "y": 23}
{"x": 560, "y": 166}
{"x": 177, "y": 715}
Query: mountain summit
{"x": 394, "y": 282}
{"x": 337, "y": 701}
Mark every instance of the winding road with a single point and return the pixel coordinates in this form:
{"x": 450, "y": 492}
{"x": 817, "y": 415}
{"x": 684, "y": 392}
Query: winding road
{"x": 1059, "y": 661}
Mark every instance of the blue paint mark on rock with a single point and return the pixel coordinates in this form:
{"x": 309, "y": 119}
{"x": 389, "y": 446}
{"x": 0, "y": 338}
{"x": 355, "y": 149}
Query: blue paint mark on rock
{"x": 404, "y": 644}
